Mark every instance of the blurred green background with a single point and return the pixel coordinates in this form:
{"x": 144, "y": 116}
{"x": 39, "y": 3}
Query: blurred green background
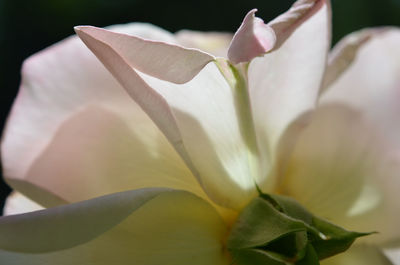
{"x": 27, "y": 26}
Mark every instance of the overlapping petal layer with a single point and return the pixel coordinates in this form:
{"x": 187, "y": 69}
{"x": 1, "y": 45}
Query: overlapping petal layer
{"x": 115, "y": 229}
{"x": 80, "y": 112}
{"x": 371, "y": 84}
{"x": 203, "y": 113}
{"x": 285, "y": 82}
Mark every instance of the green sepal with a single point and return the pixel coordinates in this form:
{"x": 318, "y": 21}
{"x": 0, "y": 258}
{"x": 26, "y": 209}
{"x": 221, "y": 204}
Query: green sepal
{"x": 310, "y": 257}
{"x": 279, "y": 228}
{"x": 254, "y": 257}
{"x": 337, "y": 239}
{"x": 260, "y": 223}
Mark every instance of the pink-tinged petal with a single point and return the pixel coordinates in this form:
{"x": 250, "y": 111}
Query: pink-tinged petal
{"x": 285, "y": 82}
{"x": 99, "y": 151}
{"x": 200, "y": 118}
{"x": 301, "y": 11}
{"x": 115, "y": 229}
{"x": 252, "y": 39}
{"x": 360, "y": 255}
{"x": 215, "y": 43}
{"x": 159, "y": 59}
{"x": 59, "y": 144}
{"x": 345, "y": 52}
{"x": 17, "y": 203}
{"x": 334, "y": 163}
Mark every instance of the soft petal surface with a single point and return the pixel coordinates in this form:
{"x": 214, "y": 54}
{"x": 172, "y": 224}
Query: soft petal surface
{"x": 371, "y": 84}
{"x": 115, "y": 229}
{"x": 335, "y": 170}
{"x": 345, "y": 52}
{"x": 200, "y": 118}
{"x": 74, "y": 133}
{"x": 360, "y": 255}
{"x": 285, "y": 24}
{"x": 285, "y": 82}
{"x": 17, "y": 203}
{"x": 252, "y": 39}
{"x": 393, "y": 254}
{"x": 98, "y": 151}
{"x": 215, "y": 43}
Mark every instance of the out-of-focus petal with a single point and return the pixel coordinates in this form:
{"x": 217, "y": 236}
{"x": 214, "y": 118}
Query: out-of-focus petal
{"x": 17, "y": 203}
{"x": 360, "y": 255}
{"x": 252, "y": 39}
{"x": 333, "y": 165}
{"x": 201, "y": 118}
{"x": 285, "y": 82}
{"x": 58, "y": 85}
{"x": 98, "y": 151}
{"x": 393, "y": 254}
{"x": 372, "y": 83}
{"x": 345, "y": 52}
{"x": 216, "y": 43}
{"x": 115, "y": 229}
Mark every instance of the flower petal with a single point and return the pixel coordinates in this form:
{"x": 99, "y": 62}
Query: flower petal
{"x": 65, "y": 88}
{"x": 326, "y": 167}
{"x": 285, "y": 82}
{"x": 184, "y": 229}
{"x": 98, "y": 151}
{"x": 336, "y": 169}
{"x": 216, "y": 43}
{"x": 17, "y": 203}
{"x": 178, "y": 64}
{"x": 393, "y": 254}
{"x": 252, "y": 39}
{"x": 301, "y": 11}
{"x": 359, "y": 255}
{"x": 345, "y": 52}
{"x": 372, "y": 83}
{"x": 200, "y": 118}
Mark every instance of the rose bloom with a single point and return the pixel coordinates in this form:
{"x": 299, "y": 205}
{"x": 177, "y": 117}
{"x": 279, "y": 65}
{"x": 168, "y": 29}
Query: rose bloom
{"x": 148, "y": 153}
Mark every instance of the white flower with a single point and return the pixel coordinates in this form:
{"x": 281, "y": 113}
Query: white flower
{"x": 179, "y": 139}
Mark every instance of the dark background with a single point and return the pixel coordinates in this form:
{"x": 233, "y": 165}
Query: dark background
{"x": 27, "y": 26}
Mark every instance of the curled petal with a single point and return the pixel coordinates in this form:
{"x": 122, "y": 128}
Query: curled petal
{"x": 252, "y": 39}
{"x": 178, "y": 64}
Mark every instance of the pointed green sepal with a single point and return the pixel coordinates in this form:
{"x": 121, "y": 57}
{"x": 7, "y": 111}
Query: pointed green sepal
{"x": 275, "y": 229}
